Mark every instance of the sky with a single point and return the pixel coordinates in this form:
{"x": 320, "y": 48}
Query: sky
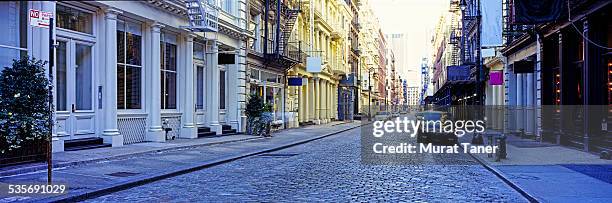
{"x": 416, "y": 18}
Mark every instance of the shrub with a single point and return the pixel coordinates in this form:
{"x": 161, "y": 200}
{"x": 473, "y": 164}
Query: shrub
{"x": 24, "y": 104}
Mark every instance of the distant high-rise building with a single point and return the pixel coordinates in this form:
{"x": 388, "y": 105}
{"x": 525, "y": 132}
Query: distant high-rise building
{"x": 398, "y": 42}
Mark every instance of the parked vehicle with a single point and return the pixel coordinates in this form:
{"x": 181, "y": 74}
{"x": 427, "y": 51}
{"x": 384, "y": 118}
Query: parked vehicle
{"x": 432, "y": 130}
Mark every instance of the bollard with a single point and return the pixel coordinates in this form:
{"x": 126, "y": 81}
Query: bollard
{"x": 490, "y": 142}
{"x": 477, "y": 139}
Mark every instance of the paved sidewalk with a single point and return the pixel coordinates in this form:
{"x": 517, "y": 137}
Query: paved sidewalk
{"x": 110, "y": 168}
{"x": 553, "y": 173}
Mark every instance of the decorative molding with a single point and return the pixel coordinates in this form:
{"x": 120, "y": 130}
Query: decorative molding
{"x": 111, "y": 13}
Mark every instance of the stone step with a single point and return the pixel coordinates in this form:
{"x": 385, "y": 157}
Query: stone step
{"x": 83, "y": 142}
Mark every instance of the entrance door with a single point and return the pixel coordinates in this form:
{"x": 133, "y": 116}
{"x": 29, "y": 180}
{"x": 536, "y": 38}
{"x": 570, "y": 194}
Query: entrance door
{"x": 200, "y": 100}
{"x": 74, "y": 89}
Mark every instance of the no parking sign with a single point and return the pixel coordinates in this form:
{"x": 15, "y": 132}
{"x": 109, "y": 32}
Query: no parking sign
{"x": 40, "y": 18}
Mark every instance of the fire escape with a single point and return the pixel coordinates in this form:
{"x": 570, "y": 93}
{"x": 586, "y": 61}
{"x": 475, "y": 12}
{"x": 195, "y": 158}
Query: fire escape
{"x": 455, "y": 32}
{"x": 279, "y": 49}
{"x": 203, "y": 15}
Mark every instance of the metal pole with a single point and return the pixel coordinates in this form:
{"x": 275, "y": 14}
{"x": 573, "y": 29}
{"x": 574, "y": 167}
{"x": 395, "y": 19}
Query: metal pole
{"x": 369, "y": 94}
{"x": 50, "y": 102}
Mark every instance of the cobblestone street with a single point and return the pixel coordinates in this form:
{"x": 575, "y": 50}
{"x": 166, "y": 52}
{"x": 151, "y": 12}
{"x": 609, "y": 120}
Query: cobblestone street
{"x": 327, "y": 170}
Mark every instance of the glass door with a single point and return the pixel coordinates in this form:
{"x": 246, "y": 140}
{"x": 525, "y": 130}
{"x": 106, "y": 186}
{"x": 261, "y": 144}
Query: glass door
{"x": 74, "y": 89}
{"x": 200, "y": 92}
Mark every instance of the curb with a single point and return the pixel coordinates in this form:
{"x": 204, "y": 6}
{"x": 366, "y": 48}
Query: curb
{"x": 184, "y": 170}
{"x": 506, "y": 180}
{"x": 76, "y": 163}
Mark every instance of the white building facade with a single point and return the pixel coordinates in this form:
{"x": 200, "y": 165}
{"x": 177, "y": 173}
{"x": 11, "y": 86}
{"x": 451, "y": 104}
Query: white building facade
{"x": 125, "y": 71}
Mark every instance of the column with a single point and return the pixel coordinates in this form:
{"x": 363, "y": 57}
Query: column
{"x": 232, "y": 109}
{"x": 330, "y": 101}
{"x": 322, "y": 100}
{"x": 241, "y": 88}
{"x": 212, "y": 86}
{"x": 317, "y": 101}
{"x": 334, "y": 102}
{"x": 155, "y": 132}
{"x": 519, "y": 102}
{"x": 310, "y": 99}
{"x": 300, "y": 103}
{"x": 189, "y": 128}
{"x": 111, "y": 132}
{"x": 530, "y": 116}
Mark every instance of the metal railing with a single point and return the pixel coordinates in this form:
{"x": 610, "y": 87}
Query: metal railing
{"x": 203, "y": 15}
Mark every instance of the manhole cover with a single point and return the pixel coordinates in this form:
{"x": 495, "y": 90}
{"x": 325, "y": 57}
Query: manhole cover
{"x": 277, "y": 155}
{"x": 123, "y": 174}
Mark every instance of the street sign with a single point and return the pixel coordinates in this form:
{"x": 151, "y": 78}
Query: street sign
{"x": 40, "y": 18}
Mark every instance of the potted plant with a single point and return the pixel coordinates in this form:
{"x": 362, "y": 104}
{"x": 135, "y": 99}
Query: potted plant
{"x": 266, "y": 119}
{"x": 254, "y": 108}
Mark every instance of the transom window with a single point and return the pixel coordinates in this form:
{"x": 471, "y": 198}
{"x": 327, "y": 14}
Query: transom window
{"x": 129, "y": 65}
{"x": 168, "y": 71}
{"x": 199, "y": 55}
{"x": 74, "y": 19}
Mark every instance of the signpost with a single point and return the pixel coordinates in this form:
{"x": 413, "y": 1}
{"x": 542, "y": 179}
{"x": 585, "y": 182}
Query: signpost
{"x": 51, "y": 62}
{"x": 43, "y": 19}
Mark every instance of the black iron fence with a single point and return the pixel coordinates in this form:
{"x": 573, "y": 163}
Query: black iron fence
{"x": 29, "y": 151}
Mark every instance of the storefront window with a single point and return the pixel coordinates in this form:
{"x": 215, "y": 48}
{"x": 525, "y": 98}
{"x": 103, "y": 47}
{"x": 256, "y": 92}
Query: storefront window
{"x": 255, "y": 74}
{"x": 13, "y": 43}
{"x": 609, "y": 80}
{"x": 74, "y": 19}
{"x": 129, "y": 65}
{"x": 168, "y": 71}
{"x": 200, "y": 87}
{"x": 278, "y": 104}
{"x": 222, "y": 89}
{"x": 61, "y": 86}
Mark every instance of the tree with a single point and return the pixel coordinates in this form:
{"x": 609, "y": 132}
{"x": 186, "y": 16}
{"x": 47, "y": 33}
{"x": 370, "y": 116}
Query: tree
{"x": 24, "y": 105}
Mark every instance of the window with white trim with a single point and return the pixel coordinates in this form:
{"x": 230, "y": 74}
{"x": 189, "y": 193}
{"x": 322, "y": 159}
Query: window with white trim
{"x": 129, "y": 65}
{"x": 14, "y": 41}
{"x": 168, "y": 71}
{"x": 228, "y": 6}
{"x": 74, "y": 19}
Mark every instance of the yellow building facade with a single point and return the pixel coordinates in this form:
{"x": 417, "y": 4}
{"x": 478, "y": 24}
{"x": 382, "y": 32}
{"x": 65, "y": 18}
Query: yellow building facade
{"x": 316, "y": 101}
{"x": 370, "y": 55}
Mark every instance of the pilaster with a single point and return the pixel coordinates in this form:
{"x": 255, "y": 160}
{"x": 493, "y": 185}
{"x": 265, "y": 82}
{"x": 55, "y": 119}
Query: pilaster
{"x": 111, "y": 132}
{"x": 212, "y": 75}
{"x": 155, "y": 132}
{"x": 189, "y": 129}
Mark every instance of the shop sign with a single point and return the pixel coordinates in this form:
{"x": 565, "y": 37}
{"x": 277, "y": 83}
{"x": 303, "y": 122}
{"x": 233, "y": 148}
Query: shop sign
{"x": 294, "y": 81}
{"x": 40, "y": 18}
{"x": 313, "y": 64}
{"x": 456, "y": 73}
